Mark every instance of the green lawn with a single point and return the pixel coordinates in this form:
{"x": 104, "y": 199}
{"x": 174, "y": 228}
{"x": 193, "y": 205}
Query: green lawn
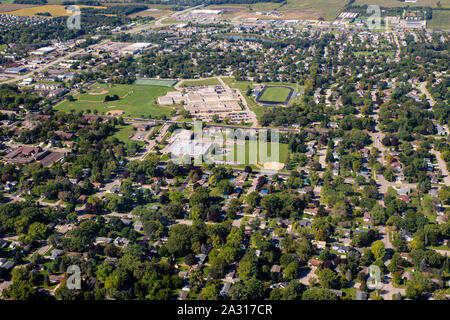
{"x": 275, "y": 94}
{"x": 196, "y": 83}
{"x": 156, "y": 82}
{"x": 135, "y": 100}
{"x": 124, "y": 133}
{"x": 440, "y": 20}
{"x": 233, "y": 156}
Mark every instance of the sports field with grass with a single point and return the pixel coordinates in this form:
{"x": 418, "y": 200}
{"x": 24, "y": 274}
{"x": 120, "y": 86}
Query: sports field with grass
{"x": 275, "y": 94}
{"x": 236, "y": 150}
{"x": 257, "y": 108}
{"x": 197, "y": 83}
{"x": 134, "y": 100}
{"x": 156, "y": 82}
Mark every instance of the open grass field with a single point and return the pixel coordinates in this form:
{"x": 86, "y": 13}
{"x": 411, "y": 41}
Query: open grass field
{"x": 237, "y": 149}
{"x": 54, "y": 10}
{"x": 135, "y": 100}
{"x": 156, "y": 82}
{"x": 197, "y": 83}
{"x": 155, "y": 11}
{"x": 124, "y": 133}
{"x": 7, "y": 1}
{"x": 440, "y": 20}
{"x": 275, "y": 94}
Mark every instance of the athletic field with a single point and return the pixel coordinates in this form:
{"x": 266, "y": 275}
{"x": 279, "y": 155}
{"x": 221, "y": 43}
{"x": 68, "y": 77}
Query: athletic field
{"x": 134, "y": 101}
{"x": 275, "y": 94}
{"x": 156, "y": 82}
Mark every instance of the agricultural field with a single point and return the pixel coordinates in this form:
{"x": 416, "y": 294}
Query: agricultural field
{"x": 54, "y": 10}
{"x": 440, "y": 20}
{"x": 231, "y": 11}
{"x": 10, "y": 6}
{"x": 134, "y": 101}
{"x": 275, "y": 94}
{"x": 302, "y": 9}
{"x": 155, "y": 11}
{"x": 396, "y": 3}
{"x": 197, "y": 83}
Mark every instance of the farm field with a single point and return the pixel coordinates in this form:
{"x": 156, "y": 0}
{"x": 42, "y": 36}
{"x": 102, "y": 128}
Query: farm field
{"x": 196, "y": 83}
{"x": 7, "y": 6}
{"x": 134, "y": 101}
{"x": 54, "y": 10}
{"x": 154, "y": 11}
{"x": 395, "y": 3}
{"x": 275, "y": 94}
{"x": 303, "y": 9}
{"x": 440, "y": 20}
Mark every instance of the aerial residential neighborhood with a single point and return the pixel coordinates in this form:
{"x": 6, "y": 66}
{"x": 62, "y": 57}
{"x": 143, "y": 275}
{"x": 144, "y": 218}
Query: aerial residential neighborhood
{"x": 224, "y": 150}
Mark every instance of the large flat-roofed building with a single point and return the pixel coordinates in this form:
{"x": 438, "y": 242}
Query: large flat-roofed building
{"x": 43, "y": 51}
{"x": 206, "y": 12}
{"x": 135, "y": 48}
{"x": 26, "y": 154}
{"x": 181, "y": 145}
{"x": 172, "y": 97}
{"x": 205, "y": 101}
{"x": 413, "y": 23}
{"x": 16, "y": 70}
{"x": 164, "y": 101}
{"x": 213, "y": 107}
{"x": 190, "y": 148}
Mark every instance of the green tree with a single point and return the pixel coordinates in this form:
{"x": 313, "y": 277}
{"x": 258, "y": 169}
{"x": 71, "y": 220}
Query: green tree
{"x": 378, "y": 249}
